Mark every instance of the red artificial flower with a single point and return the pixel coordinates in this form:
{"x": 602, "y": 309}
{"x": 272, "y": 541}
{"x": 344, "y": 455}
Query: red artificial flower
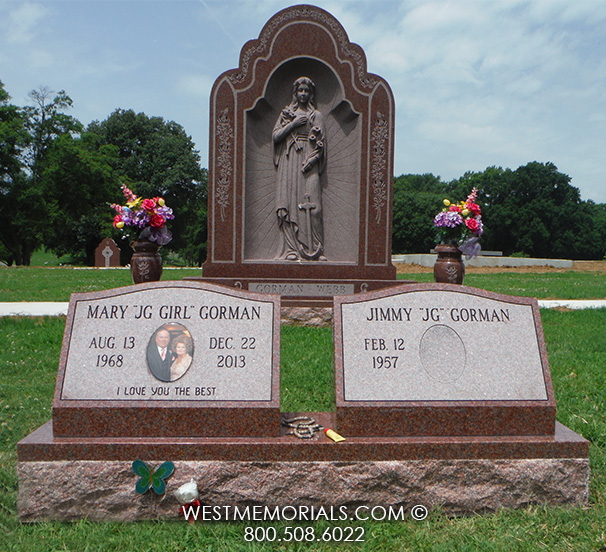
{"x": 472, "y": 224}
{"x": 148, "y": 205}
{"x": 157, "y": 221}
{"x": 117, "y": 219}
{"x": 474, "y": 208}
{"x": 455, "y": 208}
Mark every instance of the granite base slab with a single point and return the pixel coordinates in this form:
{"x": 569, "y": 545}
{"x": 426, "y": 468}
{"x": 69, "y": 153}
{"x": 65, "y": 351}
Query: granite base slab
{"x": 105, "y": 490}
{"x": 74, "y": 478}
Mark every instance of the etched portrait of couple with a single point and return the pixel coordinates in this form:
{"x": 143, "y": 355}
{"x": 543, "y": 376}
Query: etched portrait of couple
{"x": 170, "y": 352}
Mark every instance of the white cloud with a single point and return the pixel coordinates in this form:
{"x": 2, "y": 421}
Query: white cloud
{"x": 566, "y": 11}
{"x": 22, "y": 22}
{"x": 40, "y": 59}
{"x": 476, "y": 82}
{"x": 437, "y": 17}
{"x": 195, "y": 85}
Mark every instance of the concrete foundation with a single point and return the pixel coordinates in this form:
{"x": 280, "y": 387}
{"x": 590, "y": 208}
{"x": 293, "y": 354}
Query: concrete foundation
{"x": 488, "y": 261}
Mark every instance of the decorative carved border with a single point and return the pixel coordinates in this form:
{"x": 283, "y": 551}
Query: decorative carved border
{"x": 380, "y": 133}
{"x": 305, "y": 13}
{"x": 225, "y": 132}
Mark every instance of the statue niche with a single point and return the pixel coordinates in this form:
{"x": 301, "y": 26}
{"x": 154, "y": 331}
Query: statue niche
{"x": 302, "y": 202}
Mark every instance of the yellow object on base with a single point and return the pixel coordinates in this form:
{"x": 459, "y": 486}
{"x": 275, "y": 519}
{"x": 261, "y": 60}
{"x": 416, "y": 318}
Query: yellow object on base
{"x": 333, "y": 435}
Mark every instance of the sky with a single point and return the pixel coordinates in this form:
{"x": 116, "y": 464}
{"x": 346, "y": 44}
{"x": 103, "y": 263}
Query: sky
{"x": 477, "y": 83}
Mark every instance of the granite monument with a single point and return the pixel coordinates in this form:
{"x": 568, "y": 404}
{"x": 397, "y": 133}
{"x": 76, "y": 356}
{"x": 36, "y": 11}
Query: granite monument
{"x": 441, "y": 360}
{"x": 168, "y": 359}
{"x": 443, "y": 392}
{"x": 301, "y": 165}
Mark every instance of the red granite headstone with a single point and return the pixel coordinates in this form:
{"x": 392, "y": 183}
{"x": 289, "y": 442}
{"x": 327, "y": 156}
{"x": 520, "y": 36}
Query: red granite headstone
{"x": 301, "y": 165}
{"x": 441, "y": 359}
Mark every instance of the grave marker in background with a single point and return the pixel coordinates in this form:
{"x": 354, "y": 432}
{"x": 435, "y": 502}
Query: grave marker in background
{"x": 107, "y": 254}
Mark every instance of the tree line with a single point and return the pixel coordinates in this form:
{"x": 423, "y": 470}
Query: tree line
{"x": 532, "y": 211}
{"x": 58, "y": 178}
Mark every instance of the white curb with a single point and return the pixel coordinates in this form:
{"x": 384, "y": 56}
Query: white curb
{"x": 60, "y": 309}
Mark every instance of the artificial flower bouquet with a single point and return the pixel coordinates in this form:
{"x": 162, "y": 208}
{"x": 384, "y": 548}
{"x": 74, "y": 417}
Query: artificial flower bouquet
{"x": 461, "y": 224}
{"x": 148, "y": 214}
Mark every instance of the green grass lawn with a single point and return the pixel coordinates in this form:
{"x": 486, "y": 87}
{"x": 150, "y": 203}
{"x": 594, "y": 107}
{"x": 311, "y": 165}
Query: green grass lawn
{"x": 577, "y": 354}
{"x": 547, "y": 285}
{"x": 56, "y": 283}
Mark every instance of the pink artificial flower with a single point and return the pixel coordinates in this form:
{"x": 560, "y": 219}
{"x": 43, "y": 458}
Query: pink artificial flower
{"x": 473, "y": 208}
{"x": 128, "y": 194}
{"x": 148, "y": 205}
{"x": 472, "y": 224}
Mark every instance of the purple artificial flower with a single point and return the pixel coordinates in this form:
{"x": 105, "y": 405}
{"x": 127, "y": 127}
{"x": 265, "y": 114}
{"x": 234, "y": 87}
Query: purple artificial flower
{"x": 127, "y": 216}
{"x": 165, "y": 212}
{"x": 448, "y": 219}
{"x": 142, "y": 219}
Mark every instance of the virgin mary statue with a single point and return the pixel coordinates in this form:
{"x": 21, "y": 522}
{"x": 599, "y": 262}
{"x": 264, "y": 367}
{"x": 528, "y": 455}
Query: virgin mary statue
{"x": 300, "y": 157}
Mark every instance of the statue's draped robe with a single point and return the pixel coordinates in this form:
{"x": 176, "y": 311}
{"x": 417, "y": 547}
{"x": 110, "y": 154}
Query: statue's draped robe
{"x": 299, "y": 194}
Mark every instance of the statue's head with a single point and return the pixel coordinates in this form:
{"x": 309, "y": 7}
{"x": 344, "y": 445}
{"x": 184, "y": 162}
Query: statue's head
{"x": 310, "y": 85}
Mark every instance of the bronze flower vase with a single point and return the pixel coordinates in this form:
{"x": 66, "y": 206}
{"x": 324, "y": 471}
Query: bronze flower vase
{"x": 146, "y": 262}
{"x": 449, "y": 267}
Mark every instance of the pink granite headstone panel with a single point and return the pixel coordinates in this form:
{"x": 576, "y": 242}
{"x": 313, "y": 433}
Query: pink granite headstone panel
{"x": 380, "y": 191}
{"x": 170, "y": 358}
{"x": 438, "y": 359}
{"x": 42, "y": 445}
{"x": 456, "y": 486}
{"x": 160, "y": 420}
{"x": 222, "y": 220}
{"x": 443, "y": 419}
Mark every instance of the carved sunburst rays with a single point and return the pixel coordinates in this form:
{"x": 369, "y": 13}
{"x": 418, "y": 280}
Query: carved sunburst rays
{"x": 342, "y": 190}
{"x": 261, "y": 235}
{"x": 340, "y": 194}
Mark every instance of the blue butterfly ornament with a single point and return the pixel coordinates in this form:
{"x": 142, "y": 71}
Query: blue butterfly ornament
{"x": 152, "y": 478}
